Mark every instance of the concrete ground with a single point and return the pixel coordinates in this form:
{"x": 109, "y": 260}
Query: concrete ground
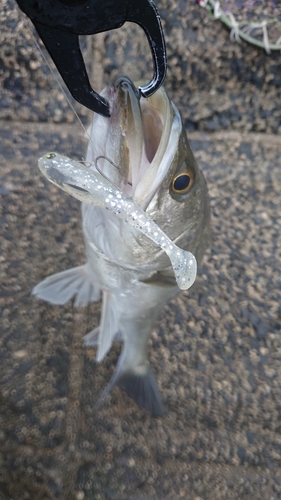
{"x": 217, "y": 84}
{"x": 216, "y": 352}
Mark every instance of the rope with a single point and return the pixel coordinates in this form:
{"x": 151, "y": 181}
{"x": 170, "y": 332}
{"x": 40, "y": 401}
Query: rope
{"x": 242, "y": 31}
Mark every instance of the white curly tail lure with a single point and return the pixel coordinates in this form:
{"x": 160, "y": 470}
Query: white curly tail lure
{"x": 91, "y": 187}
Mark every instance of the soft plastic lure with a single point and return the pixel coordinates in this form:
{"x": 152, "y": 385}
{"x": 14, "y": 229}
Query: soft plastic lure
{"x": 91, "y": 187}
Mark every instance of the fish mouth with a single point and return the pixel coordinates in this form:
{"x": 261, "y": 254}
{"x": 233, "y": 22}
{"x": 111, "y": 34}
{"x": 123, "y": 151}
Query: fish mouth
{"x": 136, "y": 139}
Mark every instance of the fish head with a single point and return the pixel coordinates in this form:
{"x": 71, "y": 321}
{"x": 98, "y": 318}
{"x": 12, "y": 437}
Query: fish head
{"x": 141, "y": 160}
{"x": 181, "y": 206}
{"x": 146, "y": 153}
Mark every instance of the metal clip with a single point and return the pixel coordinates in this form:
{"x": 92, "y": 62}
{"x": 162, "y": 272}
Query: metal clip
{"x": 60, "y": 22}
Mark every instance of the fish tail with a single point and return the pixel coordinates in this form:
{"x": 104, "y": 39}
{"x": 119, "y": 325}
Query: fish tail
{"x": 140, "y": 385}
{"x": 60, "y": 287}
{"x": 143, "y": 389}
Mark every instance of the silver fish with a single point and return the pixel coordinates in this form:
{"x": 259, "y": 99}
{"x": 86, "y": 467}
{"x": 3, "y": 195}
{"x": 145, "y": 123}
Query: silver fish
{"x": 145, "y": 213}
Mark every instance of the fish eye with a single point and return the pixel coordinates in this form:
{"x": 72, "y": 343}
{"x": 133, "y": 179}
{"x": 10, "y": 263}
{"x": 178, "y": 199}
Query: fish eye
{"x": 50, "y": 155}
{"x": 182, "y": 182}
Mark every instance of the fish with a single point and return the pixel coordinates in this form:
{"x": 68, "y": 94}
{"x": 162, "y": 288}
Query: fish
{"x": 146, "y": 227}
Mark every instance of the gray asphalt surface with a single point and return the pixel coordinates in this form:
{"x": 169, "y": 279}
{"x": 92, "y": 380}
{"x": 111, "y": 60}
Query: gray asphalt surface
{"x": 216, "y": 352}
{"x": 217, "y": 84}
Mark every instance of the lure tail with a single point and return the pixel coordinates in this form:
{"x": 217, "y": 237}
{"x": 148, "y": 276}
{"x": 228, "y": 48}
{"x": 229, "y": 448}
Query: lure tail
{"x": 59, "y": 288}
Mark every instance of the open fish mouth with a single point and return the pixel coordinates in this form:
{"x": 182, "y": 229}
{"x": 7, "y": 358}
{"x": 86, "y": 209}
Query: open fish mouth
{"x": 138, "y": 139}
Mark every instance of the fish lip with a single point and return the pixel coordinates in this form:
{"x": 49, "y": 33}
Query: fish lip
{"x": 111, "y": 93}
{"x": 124, "y": 82}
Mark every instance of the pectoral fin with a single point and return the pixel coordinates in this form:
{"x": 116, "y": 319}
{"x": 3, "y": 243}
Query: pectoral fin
{"x": 161, "y": 278}
{"x": 60, "y": 287}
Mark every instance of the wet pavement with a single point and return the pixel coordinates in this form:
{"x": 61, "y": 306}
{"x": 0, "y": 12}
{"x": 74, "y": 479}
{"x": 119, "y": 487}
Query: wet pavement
{"x": 216, "y": 352}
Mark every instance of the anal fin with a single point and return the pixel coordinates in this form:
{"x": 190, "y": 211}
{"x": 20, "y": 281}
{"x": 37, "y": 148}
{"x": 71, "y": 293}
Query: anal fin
{"x": 108, "y": 325}
{"x": 91, "y": 339}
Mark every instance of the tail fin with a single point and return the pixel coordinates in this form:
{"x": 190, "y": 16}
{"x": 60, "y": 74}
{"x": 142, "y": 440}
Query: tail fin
{"x": 141, "y": 387}
{"x": 60, "y": 287}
